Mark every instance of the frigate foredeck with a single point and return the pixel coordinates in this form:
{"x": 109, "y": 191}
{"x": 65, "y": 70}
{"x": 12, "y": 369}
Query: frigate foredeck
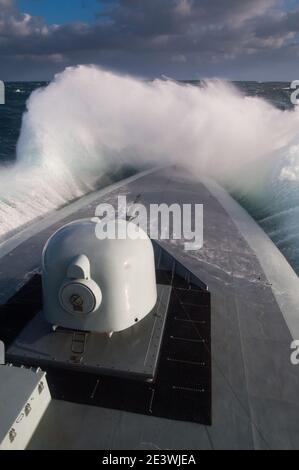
{"x": 255, "y": 317}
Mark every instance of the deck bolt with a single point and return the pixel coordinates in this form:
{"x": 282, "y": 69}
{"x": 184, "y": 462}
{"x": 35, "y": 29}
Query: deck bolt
{"x": 12, "y": 435}
{"x": 41, "y": 387}
{"x": 27, "y": 409}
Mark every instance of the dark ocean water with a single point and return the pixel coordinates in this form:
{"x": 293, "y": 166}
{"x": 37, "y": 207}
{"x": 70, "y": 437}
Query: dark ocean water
{"x": 11, "y": 117}
{"x": 276, "y": 93}
{"x": 272, "y": 212}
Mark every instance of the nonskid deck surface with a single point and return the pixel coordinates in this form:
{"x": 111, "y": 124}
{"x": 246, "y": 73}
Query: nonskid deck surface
{"x": 255, "y": 400}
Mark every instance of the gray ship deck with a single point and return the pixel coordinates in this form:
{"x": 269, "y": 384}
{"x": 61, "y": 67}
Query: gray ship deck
{"x": 255, "y": 317}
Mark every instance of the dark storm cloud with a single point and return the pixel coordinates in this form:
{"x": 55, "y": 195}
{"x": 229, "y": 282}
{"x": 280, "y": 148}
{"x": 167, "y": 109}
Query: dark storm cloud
{"x": 156, "y": 36}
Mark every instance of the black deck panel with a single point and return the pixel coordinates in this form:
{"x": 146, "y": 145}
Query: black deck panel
{"x": 20, "y": 309}
{"x": 181, "y": 390}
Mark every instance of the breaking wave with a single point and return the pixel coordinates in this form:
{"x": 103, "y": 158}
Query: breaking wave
{"x": 87, "y": 122}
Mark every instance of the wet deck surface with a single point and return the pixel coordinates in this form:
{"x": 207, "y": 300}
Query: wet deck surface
{"x": 255, "y": 397}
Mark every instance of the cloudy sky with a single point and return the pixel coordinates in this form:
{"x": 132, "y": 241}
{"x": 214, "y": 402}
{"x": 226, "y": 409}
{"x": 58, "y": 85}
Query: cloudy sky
{"x": 234, "y": 39}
